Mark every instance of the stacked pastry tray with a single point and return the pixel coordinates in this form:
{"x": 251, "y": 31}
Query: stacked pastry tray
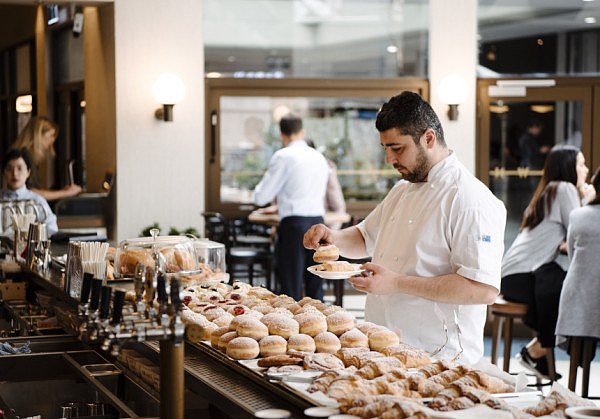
{"x": 294, "y": 386}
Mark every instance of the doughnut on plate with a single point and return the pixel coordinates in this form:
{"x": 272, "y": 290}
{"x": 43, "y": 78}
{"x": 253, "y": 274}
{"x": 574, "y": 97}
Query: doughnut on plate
{"x": 334, "y": 275}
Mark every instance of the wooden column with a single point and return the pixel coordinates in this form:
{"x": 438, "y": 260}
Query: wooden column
{"x": 40, "y": 57}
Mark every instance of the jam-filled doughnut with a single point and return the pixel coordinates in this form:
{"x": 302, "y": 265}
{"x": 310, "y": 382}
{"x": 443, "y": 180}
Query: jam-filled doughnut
{"x": 243, "y": 348}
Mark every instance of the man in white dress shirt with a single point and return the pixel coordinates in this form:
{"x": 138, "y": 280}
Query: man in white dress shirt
{"x": 436, "y": 240}
{"x": 297, "y": 179}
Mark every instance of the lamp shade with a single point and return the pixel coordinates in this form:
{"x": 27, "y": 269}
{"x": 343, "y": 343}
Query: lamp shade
{"x": 24, "y": 104}
{"x": 168, "y": 89}
{"x": 452, "y": 90}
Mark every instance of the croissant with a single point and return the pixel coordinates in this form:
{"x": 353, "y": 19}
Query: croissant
{"x": 410, "y": 356}
{"x": 323, "y": 382}
{"x": 489, "y": 383}
{"x": 427, "y": 388}
{"x": 345, "y": 353}
{"x": 379, "y": 366}
{"x": 359, "y": 360}
{"x": 446, "y": 377}
{"x": 460, "y": 403}
{"x": 395, "y": 375}
{"x": 350, "y": 386}
{"x": 557, "y": 401}
{"x": 429, "y": 370}
{"x": 401, "y": 388}
{"x": 388, "y": 405}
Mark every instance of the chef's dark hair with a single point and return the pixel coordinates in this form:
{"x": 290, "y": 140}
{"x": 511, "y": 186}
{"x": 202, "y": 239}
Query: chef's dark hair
{"x": 410, "y": 114}
{"x": 15, "y": 154}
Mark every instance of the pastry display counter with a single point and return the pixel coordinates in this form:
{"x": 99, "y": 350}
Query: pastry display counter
{"x": 212, "y": 381}
{"x": 135, "y": 372}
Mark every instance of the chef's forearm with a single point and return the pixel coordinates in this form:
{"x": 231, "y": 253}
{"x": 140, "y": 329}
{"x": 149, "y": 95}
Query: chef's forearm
{"x": 449, "y": 289}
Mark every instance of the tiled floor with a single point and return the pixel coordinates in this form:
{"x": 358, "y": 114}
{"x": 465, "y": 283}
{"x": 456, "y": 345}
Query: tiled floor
{"x": 355, "y": 304}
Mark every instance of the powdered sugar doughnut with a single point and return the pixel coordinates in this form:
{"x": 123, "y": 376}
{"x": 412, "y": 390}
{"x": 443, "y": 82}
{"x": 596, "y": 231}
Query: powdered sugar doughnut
{"x": 354, "y": 338}
{"x": 195, "y": 332}
{"x": 252, "y": 328}
{"x": 224, "y": 340}
{"x": 272, "y": 345}
{"x": 311, "y": 323}
{"x": 381, "y": 339}
{"x": 212, "y": 312}
{"x": 243, "y": 348}
{"x": 216, "y": 335}
{"x": 327, "y": 342}
{"x": 223, "y": 320}
{"x": 340, "y": 322}
{"x": 281, "y": 325}
{"x": 301, "y": 342}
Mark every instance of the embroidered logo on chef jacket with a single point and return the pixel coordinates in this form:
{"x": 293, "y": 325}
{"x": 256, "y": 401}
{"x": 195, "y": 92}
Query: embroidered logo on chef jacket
{"x": 486, "y": 238}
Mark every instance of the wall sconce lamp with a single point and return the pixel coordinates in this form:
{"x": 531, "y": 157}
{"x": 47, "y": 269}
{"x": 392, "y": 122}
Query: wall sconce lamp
{"x": 452, "y": 91}
{"x": 24, "y": 104}
{"x": 168, "y": 89}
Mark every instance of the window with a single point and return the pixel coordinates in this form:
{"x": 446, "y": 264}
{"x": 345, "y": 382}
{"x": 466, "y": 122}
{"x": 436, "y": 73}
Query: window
{"x": 339, "y": 117}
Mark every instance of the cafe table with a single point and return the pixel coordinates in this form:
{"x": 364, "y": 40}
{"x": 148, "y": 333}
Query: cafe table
{"x": 273, "y": 218}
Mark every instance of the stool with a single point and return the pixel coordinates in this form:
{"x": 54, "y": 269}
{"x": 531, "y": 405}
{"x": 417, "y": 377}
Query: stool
{"x": 581, "y": 350}
{"x": 504, "y": 313}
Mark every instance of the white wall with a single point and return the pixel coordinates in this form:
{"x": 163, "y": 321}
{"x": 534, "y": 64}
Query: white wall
{"x": 453, "y": 50}
{"x": 160, "y": 165}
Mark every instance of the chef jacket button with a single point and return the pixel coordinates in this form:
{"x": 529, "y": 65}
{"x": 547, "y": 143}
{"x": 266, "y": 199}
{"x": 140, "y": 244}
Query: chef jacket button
{"x": 410, "y": 221}
{"x": 396, "y": 258}
{"x": 381, "y": 255}
{"x": 393, "y": 219}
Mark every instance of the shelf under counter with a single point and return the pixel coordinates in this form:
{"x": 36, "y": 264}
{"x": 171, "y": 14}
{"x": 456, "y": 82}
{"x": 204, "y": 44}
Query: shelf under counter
{"x": 228, "y": 385}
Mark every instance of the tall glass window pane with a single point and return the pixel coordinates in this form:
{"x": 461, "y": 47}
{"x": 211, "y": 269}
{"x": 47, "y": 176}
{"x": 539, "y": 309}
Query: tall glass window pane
{"x": 538, "y": 37}
{"x": 521, "y": 135}
{"x": 316, "y": 38}
{"x": 341, "y": 128}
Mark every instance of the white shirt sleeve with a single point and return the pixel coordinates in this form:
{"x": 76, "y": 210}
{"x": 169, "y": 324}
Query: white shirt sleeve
{"x": 271, "y": 183}
{"x": 478, "y": 244}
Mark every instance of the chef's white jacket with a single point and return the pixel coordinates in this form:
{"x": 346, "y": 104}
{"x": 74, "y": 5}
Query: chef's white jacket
{"x": 452, "y": 223}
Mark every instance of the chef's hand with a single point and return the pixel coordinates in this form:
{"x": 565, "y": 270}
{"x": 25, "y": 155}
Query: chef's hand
{"x": 317, "y": 235}
{"x": 376, "y": 280}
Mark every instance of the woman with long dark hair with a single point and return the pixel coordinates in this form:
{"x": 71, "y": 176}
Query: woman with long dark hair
{"x": 535, "y": 265}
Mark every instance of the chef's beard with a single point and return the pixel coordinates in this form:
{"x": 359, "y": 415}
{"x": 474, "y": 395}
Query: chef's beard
{"x": 420, "y": 170}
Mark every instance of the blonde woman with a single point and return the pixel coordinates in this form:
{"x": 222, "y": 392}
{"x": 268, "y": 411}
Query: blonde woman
{"x": 37, "y": 139}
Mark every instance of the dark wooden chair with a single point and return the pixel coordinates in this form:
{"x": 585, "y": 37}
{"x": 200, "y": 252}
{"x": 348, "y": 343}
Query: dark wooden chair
{"x": 255, "y": 261}
{"x": 581, "y": 350}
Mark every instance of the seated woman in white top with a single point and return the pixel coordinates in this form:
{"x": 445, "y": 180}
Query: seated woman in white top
{"x": 16, "y": 169}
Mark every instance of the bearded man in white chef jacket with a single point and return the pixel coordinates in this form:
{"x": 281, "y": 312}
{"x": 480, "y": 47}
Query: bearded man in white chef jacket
{"x": 436, "y": 240}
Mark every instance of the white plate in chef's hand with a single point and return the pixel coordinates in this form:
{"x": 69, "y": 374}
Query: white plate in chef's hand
{"x": 335, "y": 275}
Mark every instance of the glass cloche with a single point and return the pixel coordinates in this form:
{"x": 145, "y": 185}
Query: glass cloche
{"x": 211, "y": 255}
{"x": 176, "y": 254}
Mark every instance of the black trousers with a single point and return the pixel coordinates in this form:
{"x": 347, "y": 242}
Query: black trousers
{"x": 540, "y": 290}
{"x": 292, "y": 259}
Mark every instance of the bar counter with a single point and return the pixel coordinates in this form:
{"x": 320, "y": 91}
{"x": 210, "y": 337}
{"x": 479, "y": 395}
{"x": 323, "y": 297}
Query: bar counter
{"x": 213, "y": 382}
